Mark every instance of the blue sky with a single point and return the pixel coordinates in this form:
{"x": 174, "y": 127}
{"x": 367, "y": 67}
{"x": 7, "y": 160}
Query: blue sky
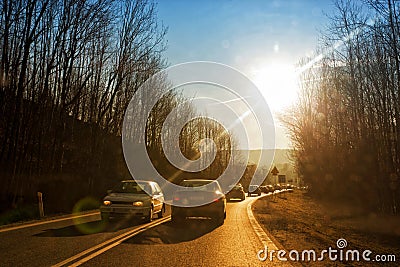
{"x": 262, "y": 39}
{"x": 238, "y": 32}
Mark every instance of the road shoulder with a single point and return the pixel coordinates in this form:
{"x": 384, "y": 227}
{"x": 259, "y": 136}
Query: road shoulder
{"x": 298, "y": 222}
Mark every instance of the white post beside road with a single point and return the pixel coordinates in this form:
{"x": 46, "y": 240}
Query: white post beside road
{"x": 40, "y": 198}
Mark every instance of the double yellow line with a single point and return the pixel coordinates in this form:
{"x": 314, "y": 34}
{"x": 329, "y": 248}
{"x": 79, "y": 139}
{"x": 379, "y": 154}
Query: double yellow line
{"x": 92, "y": 252}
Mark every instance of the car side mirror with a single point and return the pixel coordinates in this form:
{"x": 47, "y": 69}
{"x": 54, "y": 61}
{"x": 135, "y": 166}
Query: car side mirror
{"x": 109, "y": 192}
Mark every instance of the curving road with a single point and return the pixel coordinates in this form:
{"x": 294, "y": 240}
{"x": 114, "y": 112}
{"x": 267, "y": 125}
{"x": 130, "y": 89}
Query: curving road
{"x": 86, "y": 241}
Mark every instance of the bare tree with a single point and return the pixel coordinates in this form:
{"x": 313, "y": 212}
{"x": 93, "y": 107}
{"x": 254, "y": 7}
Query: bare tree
{"x": 345, "y": 126}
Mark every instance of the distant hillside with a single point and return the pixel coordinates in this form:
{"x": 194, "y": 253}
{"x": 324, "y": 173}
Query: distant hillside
{"x": 282, "y": 161}
{"x": 281, "y": 155}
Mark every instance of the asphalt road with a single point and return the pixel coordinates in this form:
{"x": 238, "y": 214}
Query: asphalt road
{"x": 87, "y": 241}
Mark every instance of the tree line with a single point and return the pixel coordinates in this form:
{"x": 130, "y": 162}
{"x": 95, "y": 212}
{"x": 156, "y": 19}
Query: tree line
{"x": 346, "y": 125}
{"x": 68, "y": 70}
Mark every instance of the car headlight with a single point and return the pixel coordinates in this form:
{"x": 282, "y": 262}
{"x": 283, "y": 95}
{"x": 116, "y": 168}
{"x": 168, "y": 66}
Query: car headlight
{"x": 107, "y": 202}
{"x": 138, "y": 204}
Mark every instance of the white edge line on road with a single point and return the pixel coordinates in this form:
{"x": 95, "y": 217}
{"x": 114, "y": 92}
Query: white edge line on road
{"x": 114, "y": 242}
{"x": 48, "y": 221}
{"x": 262, "y": 236}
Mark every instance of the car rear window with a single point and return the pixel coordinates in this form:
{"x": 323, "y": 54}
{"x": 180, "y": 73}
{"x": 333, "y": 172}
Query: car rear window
{"x": 209, "y": 186}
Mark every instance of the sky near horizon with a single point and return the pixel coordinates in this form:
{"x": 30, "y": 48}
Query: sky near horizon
{"x": 262, "y": 39}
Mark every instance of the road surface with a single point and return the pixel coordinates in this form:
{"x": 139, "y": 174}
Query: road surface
{"x": 86, "y": 241}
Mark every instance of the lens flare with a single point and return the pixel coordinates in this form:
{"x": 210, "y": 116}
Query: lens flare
{"x": 228, "y": 87}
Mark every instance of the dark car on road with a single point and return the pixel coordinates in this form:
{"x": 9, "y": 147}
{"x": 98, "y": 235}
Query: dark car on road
{"x": 267, "y": 189}
{"x": 270, "y": 188}
{"x": 185, "y": 201}
{"x": 277, "y": 187}
{"x": 264, "y": 189}
{"x": 236, "y": 192}
{"x": 130, "y": 199}
{"x": 254, "y": 190}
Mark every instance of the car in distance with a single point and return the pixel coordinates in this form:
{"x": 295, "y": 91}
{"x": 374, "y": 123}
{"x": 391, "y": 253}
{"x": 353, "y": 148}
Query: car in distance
{"x": 236, "y": 192}
{"x": 270, "y": 188}
{"x": 194, "y": 191}
{"x": 277, "y": 187}
{"x": 254, "y": 190}
{"x": 264, "y": 189}
{"x": 129, "y": 199}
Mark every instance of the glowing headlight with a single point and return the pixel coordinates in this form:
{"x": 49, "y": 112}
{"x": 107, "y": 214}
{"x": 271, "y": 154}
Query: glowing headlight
{"x": 138, "y": 203}
{"x": 107, "y": 202}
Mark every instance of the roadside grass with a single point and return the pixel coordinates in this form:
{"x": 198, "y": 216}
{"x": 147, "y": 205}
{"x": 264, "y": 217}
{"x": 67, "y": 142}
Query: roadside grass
{"x": 298, "y": 222}
{"x": 19, "y": 214}
{"x": 30, "y": 212}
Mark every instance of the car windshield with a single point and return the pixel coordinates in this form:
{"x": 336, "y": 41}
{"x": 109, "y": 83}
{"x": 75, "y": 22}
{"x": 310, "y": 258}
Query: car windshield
{"x": 130, "y": 187}
{"x": 209, "y": 186}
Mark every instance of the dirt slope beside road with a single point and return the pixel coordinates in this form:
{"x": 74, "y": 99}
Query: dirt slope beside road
{"x": 300, "y": 223}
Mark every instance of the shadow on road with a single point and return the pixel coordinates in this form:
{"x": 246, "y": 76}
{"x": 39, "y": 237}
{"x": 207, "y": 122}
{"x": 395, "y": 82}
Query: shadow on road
{"x": 87, "y": 228}
{"x": 234, "y": 200}
{"x": 173, "y": 233}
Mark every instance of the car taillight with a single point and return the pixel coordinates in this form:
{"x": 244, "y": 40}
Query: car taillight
{"x": 177, "y": 198}
{"x": 218, "y": 196}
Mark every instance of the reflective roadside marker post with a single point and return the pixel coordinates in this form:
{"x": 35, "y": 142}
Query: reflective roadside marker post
{"x": 40, "y": 199}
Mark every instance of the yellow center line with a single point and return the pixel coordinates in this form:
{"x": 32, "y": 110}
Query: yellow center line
{"x": 100, "y": 248}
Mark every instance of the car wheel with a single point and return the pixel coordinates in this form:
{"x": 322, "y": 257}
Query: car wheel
{"x": 219, "y": 220}
{"x": 161, "y": 213}
{"x": 105, "y": 217}
{"x": 150, "y": 217}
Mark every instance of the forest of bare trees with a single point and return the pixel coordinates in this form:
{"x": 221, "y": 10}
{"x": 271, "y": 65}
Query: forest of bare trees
{"x": 68, "y": 70}
{"x": 345, "y": 127}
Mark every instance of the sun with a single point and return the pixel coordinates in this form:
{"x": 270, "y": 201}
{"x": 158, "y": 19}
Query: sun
{"x": 278, "y": 84}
